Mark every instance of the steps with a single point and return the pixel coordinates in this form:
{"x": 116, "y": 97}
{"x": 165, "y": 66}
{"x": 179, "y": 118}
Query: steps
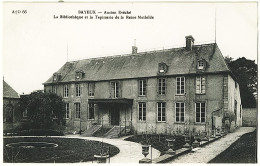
{"x": 89, "y": 132}
{"x": 114, "y": 132}
{"x": 102, "y": 131}
{"x": 108, "y": 132}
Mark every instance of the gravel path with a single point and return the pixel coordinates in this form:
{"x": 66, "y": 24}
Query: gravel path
{"x": 130, "y": 152}
{"x": 207, "y": 153}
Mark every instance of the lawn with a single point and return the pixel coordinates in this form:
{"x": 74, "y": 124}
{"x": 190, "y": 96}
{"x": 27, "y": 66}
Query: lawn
{"x": 158, "y": 141}
{"x": 242, "y": 151}
{"x": 69, "y": 150}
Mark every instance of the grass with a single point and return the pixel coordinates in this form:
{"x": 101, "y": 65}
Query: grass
{"x": 244, "y": 150}
{"x": 158, "y": 141}
{"x": 70, "y": 150}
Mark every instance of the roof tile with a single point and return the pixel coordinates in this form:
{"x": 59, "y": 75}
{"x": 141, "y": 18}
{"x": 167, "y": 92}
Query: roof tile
{"x": 8, "y": 91}
{"x": 144, "y": 64}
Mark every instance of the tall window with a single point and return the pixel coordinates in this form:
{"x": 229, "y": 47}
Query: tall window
{"x": 67, "y": 111}
{"x": 161, "y": 86}
{"x": 91, "y": 89}
{"x": 65, "y": 90}
{"x": 161, "y": 112}
{"x": 77, "y": 90}
{"x": 114, "y": 89}
{"x": 200, "y": 85}
{"x": 179, "y": 109}
{"x": 200, "y": 112}
{"x": 142, "y": 111}
{"x": 142, "y": 87}
{"x": 91, "y": 109}
{"x": 180, "y": 85}
{"x": 77, "y": 108}
{"x": 54, "y": 89}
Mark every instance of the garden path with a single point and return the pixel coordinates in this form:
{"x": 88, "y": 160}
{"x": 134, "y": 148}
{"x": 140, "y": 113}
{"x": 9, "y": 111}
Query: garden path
{"x": 130, "y": 152}
{"x": 207, "y": 153}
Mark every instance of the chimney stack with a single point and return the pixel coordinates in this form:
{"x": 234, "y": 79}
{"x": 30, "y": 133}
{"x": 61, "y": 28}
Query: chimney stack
{"x": 189, "y": 42}
{"x": 134, "y": 50}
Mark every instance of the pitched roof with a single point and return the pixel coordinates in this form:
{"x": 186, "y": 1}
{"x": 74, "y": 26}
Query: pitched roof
{"x": 144, "y": 64}
{"x": 8, "y": 91}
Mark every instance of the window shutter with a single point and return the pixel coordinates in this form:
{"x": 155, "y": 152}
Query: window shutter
{"x": 203, "y": 84}
{"x": 93, "y": 89}
{"x": 157, "y": 88}
{"x": 119, "y": 89}
{"x": 111, "y": 89}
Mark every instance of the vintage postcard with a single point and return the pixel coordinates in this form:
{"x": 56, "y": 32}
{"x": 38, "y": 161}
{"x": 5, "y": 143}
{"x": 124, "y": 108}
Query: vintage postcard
{"x": 129, "y": 82}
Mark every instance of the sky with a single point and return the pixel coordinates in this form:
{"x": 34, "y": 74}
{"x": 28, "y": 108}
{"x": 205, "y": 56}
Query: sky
{"x": 35, "y": 45}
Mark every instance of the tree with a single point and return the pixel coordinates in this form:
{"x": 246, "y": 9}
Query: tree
{"x": 44, "y": 110}
{"x": 245, "y": 71}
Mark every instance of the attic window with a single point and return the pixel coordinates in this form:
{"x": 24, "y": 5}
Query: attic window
{"x": 79, "y": 75}
{"x": 57, "y": 77}
{"x": 201, "y": 64}
{"x": 162, "y": 68}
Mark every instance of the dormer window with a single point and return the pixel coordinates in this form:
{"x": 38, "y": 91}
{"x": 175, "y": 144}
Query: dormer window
{"x": 162, "y": 68}
{"x": 79, "y": 75}
{"x": 57, "y": 77}
{"x": 201, "y": 64}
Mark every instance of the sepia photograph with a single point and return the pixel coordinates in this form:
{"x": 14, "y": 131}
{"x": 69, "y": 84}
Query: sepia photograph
{"x": 140, "y": 82}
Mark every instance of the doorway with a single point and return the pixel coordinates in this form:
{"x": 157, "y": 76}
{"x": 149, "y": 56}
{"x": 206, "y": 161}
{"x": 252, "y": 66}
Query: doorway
{"x": 114, "y": 115}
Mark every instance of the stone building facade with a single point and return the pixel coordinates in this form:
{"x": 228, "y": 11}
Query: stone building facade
{"x": 160, "y": 91}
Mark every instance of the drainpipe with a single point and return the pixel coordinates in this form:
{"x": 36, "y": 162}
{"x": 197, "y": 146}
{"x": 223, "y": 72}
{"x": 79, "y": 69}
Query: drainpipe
{"x": 131, "y": 117}
{"x": 125, "y": 119}
{"x": 102, "y": 118}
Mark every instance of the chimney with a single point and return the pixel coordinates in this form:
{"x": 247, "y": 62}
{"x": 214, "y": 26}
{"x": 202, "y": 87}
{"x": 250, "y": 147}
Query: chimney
{"x": 189, "y": 42}
{"x": 134, "y": 50}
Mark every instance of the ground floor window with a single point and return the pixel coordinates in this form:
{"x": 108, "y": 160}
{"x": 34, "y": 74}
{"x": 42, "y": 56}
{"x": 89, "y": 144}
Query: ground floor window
{"x": 179, "y": 110}
{"x": 142, "y": 111}
{"x": 200, "y": 112}
{"x": 161, "y": 112}
{"x": 67, "y": 111}
{"x": 77, "y": 108}
{"x": 91, "y": 110}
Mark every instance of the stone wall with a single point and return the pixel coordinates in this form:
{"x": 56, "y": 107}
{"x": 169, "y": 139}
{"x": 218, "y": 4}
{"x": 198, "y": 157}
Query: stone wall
{"x": 129, "y": 89}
